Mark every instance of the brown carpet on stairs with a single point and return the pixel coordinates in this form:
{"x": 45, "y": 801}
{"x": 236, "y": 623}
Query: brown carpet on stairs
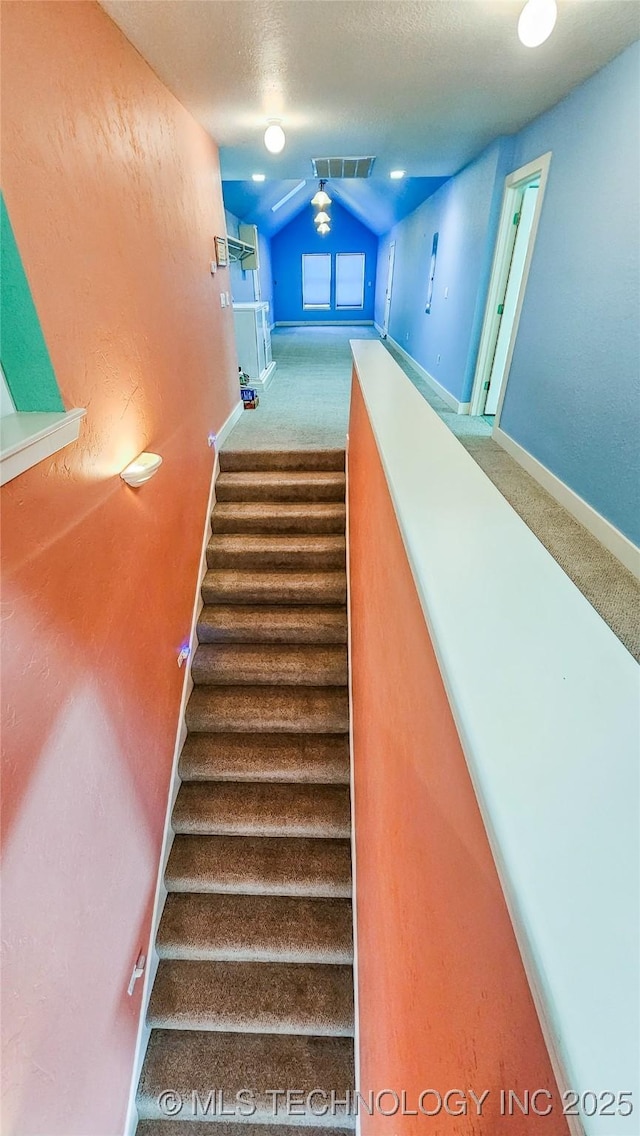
{"x": 254, "y": 988}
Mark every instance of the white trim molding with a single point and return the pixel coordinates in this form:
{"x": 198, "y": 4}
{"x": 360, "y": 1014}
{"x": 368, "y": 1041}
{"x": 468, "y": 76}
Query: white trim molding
{"x": 498, "y": 280}
{"x": 29, "y": 438}
{"x": 616, "y": 542}
{"x": 437, "y": 388}
{"x": 228, "y": 424}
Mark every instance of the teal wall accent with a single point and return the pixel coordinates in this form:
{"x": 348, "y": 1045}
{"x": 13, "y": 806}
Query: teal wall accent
{"x": 23, "y": 351}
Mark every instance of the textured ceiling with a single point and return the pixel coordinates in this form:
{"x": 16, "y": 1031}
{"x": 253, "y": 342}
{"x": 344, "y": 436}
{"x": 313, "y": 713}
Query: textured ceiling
{"x": 379, "y": 204}
{"x": 422, "y": 85}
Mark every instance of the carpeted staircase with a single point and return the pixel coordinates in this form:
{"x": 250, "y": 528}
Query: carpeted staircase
{"x": 254, "y": 988}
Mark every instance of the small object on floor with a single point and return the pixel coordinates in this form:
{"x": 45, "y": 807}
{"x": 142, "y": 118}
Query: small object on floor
{"x": 250, "y": 398}
{"x": 243, "y": 377}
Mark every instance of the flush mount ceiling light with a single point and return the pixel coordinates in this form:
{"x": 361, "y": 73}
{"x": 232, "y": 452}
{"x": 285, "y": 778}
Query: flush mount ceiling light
{"x": 397, "y": 174}
{"x": 322, "y": 218}
{"x": 537, "y": 21}
{"x": 274, "y": 138}
{"x": 321, "y": 198}
{"x": 258, "y": 177}
{"x": 324, "y": 228}
{"x": 142, "y": 469}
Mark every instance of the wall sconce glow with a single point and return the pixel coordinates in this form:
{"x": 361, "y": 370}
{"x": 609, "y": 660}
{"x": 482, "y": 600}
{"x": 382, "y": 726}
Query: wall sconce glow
{"x": 537, "y": 21}
{"x": 258, "y": 177}
{"x": 322, "y": 218}
{"x": 324, "y": 228}
{"x": 142, "y": 469}
{"x": 211, "y": 440}
{"x": 397, "y": 174}
{"x": 274, "y": 138}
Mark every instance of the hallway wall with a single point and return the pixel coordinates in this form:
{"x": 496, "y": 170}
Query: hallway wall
{"x": 299, "y": 237}
{"x": 464, "y": 212}
{"x": 573, "y": 388}
{"x": 573, "y": 398}
{"x": 114, "y": 194}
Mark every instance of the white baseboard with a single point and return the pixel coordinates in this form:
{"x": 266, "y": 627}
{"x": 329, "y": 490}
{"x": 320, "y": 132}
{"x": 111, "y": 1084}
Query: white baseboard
{"x": 616, "y": 542}
{"x": 324, "y": 323}
{"x": 228, "y": 424}
{"x": 167, "y": 838}
{"x": 268, "y": 377}
{"x": 437, "y": 388}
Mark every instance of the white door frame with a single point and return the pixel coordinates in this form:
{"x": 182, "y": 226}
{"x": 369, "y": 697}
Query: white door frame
{"x": 499, "y": 276}
{"x": 391, "y": 265}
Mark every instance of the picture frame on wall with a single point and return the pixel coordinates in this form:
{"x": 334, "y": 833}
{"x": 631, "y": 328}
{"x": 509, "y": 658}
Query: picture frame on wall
{"x": 432, "y": 272}
{"x": 222, "y": 252}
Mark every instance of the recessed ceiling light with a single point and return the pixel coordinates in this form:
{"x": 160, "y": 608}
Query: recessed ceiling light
{"x": 397, "y": 174}
{"x": 258, "y": 177}
{"x": 274, "y": 138}
{"x": 537, "y": 21}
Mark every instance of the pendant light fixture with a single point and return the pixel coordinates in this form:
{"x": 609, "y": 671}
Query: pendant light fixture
{"x": 321, "y": 198}
{"x": 322, "y": 218}
{"x": 324, "y": 228}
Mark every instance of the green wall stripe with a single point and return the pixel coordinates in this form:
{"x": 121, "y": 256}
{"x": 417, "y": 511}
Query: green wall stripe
{"x": 23, "y": 351}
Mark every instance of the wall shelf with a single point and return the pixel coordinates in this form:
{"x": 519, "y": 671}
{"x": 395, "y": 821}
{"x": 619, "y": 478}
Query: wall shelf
{"x": 239, "y": 250}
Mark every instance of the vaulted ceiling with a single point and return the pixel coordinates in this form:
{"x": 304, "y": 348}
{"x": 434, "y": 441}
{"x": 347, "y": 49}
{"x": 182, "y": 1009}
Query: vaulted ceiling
{"x": 422, "y": 85}
{"x": 377, "y": 202}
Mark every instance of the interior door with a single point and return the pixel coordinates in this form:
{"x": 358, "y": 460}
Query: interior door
{"x": 511, "y": 296}
{"x": 387, "y": 294}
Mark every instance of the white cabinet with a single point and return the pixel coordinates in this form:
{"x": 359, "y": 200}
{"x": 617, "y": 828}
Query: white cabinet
{"x": 253, "y": 341}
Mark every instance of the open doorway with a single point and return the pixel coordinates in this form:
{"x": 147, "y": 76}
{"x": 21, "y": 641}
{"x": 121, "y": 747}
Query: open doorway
{"x": 388, "y": 289}
{"x": 521, "y": 205}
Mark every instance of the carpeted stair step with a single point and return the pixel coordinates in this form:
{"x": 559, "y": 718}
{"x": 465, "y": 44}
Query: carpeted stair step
{"x": 247, "y": 623}
{"x": 270, "y": 519}
{"x": 221, "y": 808}
{"x": 189, "y": 1061}
{"x": 256, "y": 928}
{"x": 261, "y": 553}
{"x": 233, "y": 461}
{"x": 252, "y": 997}
{"x": 260, "y": 865}
{"x": 313, "y": 758}
{"x": 281, "y": 485}
{"x": 234, "y": 664}
{"x": 268, "y": 709}
{"x": 237, "y": 587}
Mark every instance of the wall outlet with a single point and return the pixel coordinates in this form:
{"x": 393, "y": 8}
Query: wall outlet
{"x": 437, "y": 358}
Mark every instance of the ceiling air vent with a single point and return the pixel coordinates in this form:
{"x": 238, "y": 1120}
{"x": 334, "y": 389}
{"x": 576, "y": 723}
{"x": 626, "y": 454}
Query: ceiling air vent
{"x": 342, "y": 167}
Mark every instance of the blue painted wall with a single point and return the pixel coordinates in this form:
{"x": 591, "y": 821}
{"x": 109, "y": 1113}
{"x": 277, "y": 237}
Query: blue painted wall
{"x": 465, "y": 215}
{"x": 299, "y": 237}
{"x": 573, "y": 397}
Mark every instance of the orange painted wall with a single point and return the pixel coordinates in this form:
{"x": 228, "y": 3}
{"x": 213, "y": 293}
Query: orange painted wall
{"x": 114, "y": 194}
{"x": 444, "y": 1000}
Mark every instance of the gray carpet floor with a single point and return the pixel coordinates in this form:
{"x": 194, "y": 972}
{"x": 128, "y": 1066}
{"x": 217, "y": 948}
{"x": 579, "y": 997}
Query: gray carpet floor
{"x": 307, "y": 407}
